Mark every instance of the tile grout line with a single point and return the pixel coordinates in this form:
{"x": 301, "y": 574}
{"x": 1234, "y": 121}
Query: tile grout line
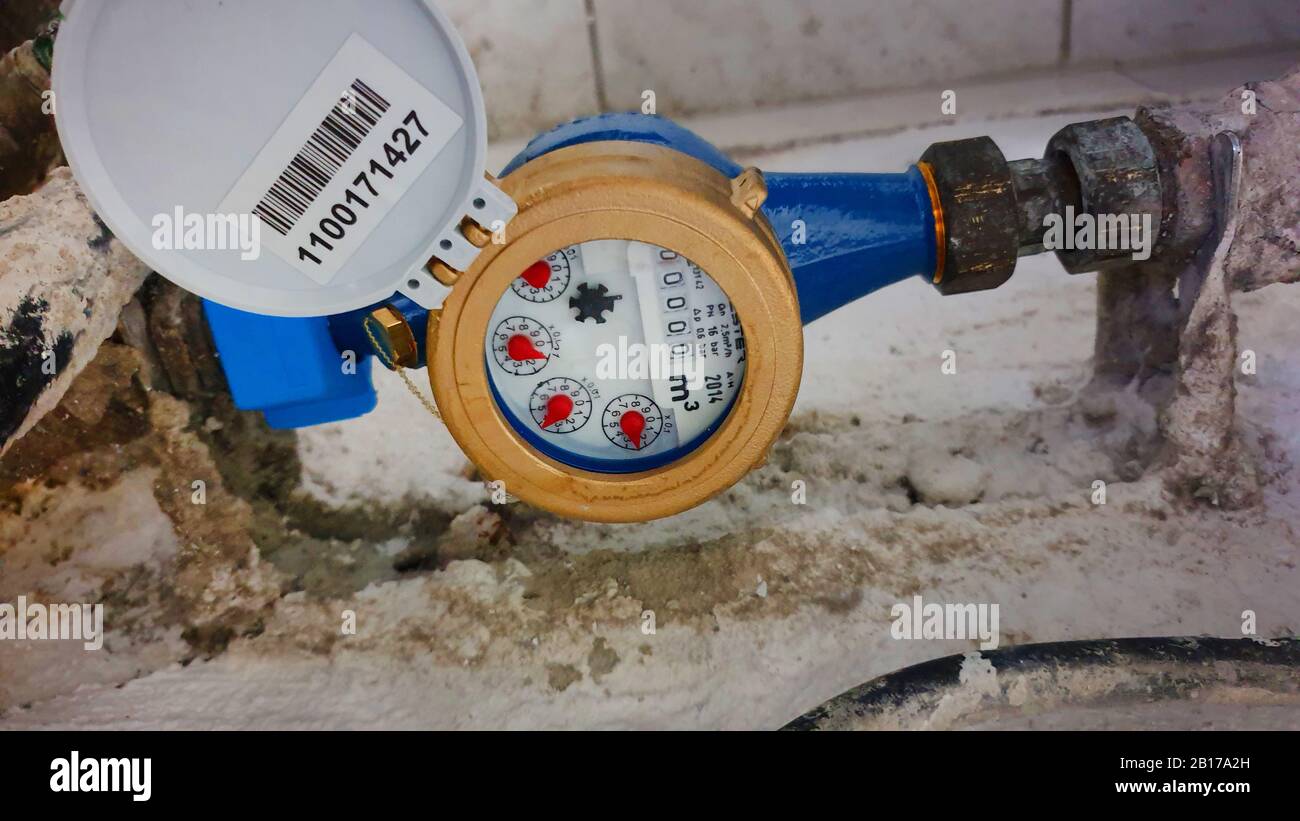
{"x": 1067, "y": 20}
{"x": 597, "y": 64}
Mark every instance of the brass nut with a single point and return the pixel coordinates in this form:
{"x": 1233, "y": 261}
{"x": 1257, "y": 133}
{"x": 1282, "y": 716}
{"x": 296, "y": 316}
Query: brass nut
{"x": 394, "y": 334}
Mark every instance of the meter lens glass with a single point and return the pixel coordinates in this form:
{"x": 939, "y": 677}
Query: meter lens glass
{"x": 615, "y": 355}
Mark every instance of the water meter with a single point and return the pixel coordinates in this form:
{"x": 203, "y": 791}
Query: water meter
{"x": 633, "y": 346}
{"x": 612, "y": 329}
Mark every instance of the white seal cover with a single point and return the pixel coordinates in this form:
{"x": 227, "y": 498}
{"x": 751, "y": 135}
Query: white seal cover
{"x": 293, "y": 158}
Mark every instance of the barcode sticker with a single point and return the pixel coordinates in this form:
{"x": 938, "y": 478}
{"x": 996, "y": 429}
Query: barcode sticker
{"x": 351, "y": 147}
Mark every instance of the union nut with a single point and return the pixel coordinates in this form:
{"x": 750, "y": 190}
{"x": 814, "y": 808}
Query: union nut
{"x": 980, "y": 220}
{"x": 1117, "y": 176}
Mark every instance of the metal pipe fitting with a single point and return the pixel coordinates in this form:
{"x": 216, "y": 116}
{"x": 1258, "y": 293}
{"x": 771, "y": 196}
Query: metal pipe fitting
{"x": 995, "y": 210}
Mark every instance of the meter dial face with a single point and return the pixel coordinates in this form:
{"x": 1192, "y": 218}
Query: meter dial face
{"x": 522, "y": 345}
{"x": 545, "y": 279}
{"x": 633, "y": 421}
{"x": 560, "y": 405}
{"x": 652, "y": 351}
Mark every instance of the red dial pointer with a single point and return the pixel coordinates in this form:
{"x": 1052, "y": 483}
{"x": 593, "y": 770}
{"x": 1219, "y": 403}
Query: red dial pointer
{"x": 537, "y": 274}
{"x": 558, "y": 408}
{"x": 633, "y": 424}
{"x": 521, "y": 347}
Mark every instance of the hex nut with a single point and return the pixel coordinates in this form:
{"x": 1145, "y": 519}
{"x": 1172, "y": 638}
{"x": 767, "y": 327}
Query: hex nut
{"x": 1117, "y": 174}
{"x": 980, "y": 218}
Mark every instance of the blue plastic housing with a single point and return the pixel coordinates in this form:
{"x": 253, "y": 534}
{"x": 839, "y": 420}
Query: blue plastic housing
{"x": 289, "y": 368}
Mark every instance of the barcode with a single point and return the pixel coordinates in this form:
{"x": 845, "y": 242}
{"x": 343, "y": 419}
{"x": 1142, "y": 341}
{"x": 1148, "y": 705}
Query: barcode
{"x": 315, "y": 165}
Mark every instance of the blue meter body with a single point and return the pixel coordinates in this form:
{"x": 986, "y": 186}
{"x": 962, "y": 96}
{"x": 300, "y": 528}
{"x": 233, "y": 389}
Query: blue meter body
{"x": 843, "y": 237}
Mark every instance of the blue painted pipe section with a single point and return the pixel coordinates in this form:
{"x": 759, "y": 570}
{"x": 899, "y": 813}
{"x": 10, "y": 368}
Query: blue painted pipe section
{"x": 844, "y": 236}
{"x": 637, "y": 128}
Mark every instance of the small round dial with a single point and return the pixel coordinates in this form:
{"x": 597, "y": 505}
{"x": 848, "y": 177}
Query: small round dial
{"x": 521, "y": 345}
{"x": 632, "y": 421}
{"x": 560, "y": 405}
{"x": 546, "y": 279}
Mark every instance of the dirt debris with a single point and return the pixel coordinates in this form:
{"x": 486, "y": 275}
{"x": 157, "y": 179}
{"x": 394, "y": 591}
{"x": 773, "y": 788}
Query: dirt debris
{"x": 561, "y": 676}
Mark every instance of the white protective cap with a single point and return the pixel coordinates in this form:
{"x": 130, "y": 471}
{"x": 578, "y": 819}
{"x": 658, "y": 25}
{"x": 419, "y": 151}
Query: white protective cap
{"x": 293, "y": 158}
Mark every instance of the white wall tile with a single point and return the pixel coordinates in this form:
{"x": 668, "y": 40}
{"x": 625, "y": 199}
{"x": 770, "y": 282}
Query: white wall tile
{"x": 535, "y": 62}
{"x": 723, "y": 54}
{"x": 750, "y": 134}
{"x": 1146, "y": 30}
{"x": 533, "y": 59}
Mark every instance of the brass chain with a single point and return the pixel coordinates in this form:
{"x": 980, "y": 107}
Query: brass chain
{"x": 401, "y": 372}
{"x": 410, "y": 386}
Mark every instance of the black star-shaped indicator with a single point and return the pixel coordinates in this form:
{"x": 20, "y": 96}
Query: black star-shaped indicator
{"x": 593, "y": 303}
